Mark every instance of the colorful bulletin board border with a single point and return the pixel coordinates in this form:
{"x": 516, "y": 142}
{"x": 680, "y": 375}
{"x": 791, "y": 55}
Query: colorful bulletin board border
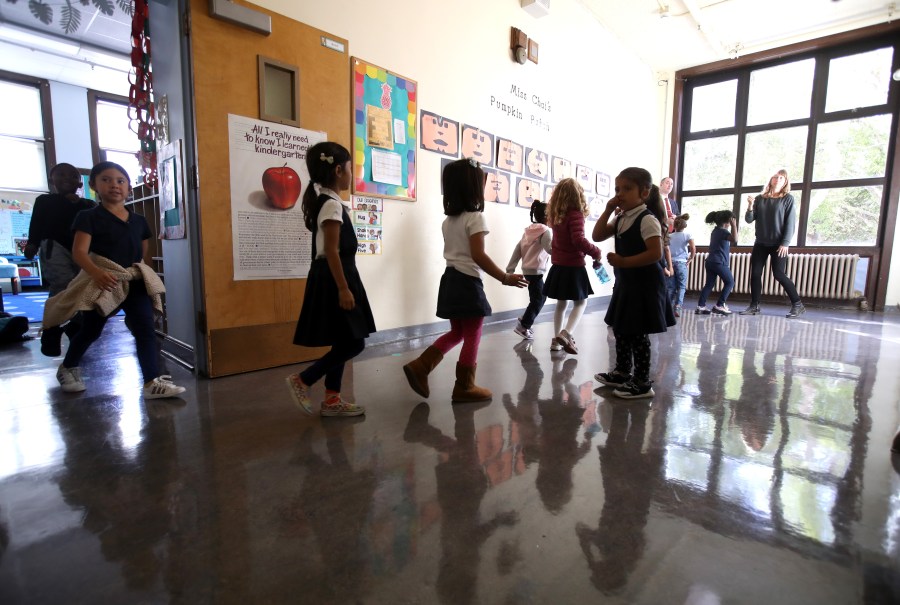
{"x": 388, "y": 172}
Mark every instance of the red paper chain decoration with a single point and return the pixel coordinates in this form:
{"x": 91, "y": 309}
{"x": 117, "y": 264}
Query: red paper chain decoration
{"x": 141, "y": 110}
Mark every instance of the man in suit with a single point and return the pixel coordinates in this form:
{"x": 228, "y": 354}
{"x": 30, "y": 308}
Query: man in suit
{"x": 665, "y": 190}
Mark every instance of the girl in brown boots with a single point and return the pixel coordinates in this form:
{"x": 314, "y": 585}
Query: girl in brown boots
{"x": 461, "y": 296}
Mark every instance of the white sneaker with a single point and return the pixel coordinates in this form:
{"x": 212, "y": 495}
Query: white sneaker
{"x": 162, "y": 387}
{"x": 555, "y": 346}
{"x": 524, "y": 332}
{"x": 300, "y": 393}
{"x": 721, "y": 310}
{"x": 70, "y": 379}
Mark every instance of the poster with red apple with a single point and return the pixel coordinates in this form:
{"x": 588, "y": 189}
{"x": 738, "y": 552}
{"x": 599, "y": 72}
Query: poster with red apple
{"x": 268, "y": 178}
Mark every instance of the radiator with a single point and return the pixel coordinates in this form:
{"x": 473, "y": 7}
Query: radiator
{"x": 830, "y": 276}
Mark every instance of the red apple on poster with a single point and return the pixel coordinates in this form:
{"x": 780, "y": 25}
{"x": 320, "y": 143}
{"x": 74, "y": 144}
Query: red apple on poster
{"x": 282, "y": 186}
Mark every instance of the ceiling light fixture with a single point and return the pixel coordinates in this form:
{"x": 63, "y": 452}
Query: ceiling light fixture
{"x": 664, "y": 11}
{"x": 22, "y": 36}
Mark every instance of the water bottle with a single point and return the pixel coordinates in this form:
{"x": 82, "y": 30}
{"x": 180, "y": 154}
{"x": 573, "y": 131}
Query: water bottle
{"x": 602, "y": 275}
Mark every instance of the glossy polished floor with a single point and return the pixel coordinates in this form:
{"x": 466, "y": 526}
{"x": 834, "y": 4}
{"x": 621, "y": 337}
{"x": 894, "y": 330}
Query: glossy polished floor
{"x": 760, "y": 473}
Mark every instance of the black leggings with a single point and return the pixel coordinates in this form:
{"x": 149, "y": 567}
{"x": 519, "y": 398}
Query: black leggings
{"x": 633, "y": 351}
{"x": 331, "y": 365}
{"x": 779, "y": 263}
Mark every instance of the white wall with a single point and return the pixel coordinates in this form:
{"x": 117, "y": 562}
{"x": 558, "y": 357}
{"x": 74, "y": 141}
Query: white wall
{"x": 605, "y": 113}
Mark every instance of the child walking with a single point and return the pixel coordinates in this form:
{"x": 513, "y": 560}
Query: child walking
{"x": 50, "y": 232}
{"x": 682, "y": 249}
{"x": 720, "y": 242}
{"x": 534, "y": 251}
{"x": 639, "y": 305}
{"x": 567, "y": 279}
{"x": 461, "y": 296}
{"x": 112, "y": 231}
{"x": 335, "y": 308}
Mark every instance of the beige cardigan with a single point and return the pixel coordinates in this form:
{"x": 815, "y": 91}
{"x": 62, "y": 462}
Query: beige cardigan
{"x": 82, "y": 294}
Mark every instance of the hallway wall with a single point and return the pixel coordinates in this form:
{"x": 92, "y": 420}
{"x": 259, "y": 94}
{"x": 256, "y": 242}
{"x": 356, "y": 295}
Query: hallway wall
{"x": 604, "y": 113}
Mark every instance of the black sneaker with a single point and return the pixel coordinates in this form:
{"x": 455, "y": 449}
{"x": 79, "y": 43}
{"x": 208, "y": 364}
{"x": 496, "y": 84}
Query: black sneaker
{"x": 612, "y": 379}
{"x": 751, "y": 310}
{"x": 796, "y": 310}
{"x": 634, "y": 390}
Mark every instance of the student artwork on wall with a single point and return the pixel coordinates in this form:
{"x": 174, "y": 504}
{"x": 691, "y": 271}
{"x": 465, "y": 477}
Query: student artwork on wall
{"x": 439, "y": 134}
{"x": 527, "y": 191}
{"x": 496, "y": 186}
{"x": 171, "y": 191}
{"x": 602, "y": 183}
{"x": 385, "y": 131}
{"x": 477, "y": 144}
{"x": 596, "y": 206}
{"x": 548, "y": 191}
{"x": 561, "y": 169}
{"x": 537, "y": 164}
{"x": 585, "y": 177}
{"x": 509, "y": 156}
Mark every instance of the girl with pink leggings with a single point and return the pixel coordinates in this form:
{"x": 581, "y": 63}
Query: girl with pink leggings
{"x": 461, "y": 296}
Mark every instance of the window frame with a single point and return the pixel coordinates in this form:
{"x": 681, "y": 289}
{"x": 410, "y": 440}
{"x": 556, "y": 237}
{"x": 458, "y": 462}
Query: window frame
{"x": 95, "y": 97}
{"x": 43, "y": 86}
{"x": 823, "y": 50}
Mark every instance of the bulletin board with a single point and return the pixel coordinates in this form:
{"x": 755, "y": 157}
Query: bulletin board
{"x": 385, "y": 132}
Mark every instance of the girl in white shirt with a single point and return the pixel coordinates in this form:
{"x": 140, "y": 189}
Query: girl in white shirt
{"x": 461, "y": 296}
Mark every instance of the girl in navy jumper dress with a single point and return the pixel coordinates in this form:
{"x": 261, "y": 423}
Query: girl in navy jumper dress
{"x": 720, "y": 243}
{"x": 639, "y": 305}
{"x": 335, "y": 308}
{"x": 568, "y": 279}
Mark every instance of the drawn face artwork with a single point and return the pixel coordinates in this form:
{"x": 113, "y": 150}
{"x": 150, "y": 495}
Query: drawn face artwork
{"x": 440, "y": 134}
{"x": 509, "y": 156}
{"x": 536, "y": 164}
{"x": 496, "y": 187}
{"x": 584, "y": 176}
{"x": 478, "y": 144}
{"x": 528, "y": 191}
{"x": 562, "y": 169}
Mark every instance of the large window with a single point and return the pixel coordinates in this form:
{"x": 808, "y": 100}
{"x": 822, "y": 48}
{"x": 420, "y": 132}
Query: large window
{"x": 111, "y": 135}
{"x": 24, "y": 129}
{"x": 826, "y": 117}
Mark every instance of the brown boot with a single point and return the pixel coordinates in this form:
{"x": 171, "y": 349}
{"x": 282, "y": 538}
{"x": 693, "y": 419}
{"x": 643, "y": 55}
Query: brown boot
{"x": 465, "y": 390}
{"x": 418, "y": 369}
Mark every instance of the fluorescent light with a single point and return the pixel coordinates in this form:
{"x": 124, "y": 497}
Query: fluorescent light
{"x": 25, "y": 37}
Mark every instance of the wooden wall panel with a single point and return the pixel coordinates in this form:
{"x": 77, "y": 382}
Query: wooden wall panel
{"x": 259, "y": 313}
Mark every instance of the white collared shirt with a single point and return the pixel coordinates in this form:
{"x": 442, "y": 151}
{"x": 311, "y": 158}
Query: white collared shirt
{"x": 332, "y": 210}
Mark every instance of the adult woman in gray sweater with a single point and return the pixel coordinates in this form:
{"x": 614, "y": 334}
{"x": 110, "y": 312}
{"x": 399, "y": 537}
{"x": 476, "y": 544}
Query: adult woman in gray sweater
{"x": 775, "y": 216}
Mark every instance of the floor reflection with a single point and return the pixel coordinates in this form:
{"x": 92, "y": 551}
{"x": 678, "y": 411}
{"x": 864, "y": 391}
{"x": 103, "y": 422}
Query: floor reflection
{"x": 764, "y": 454}
{"x": 336, "y": 503}
{"x": 126, "y": 496}
{"x": 461, "y": 486}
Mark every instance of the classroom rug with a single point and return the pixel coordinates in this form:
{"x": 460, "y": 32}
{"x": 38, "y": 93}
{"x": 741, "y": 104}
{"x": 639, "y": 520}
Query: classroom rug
{"x": 29, "y": 304}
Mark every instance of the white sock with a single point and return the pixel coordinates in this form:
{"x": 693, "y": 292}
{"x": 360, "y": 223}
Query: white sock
{"x": 578, "y": 307}
{"x": 559, "y": 315}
